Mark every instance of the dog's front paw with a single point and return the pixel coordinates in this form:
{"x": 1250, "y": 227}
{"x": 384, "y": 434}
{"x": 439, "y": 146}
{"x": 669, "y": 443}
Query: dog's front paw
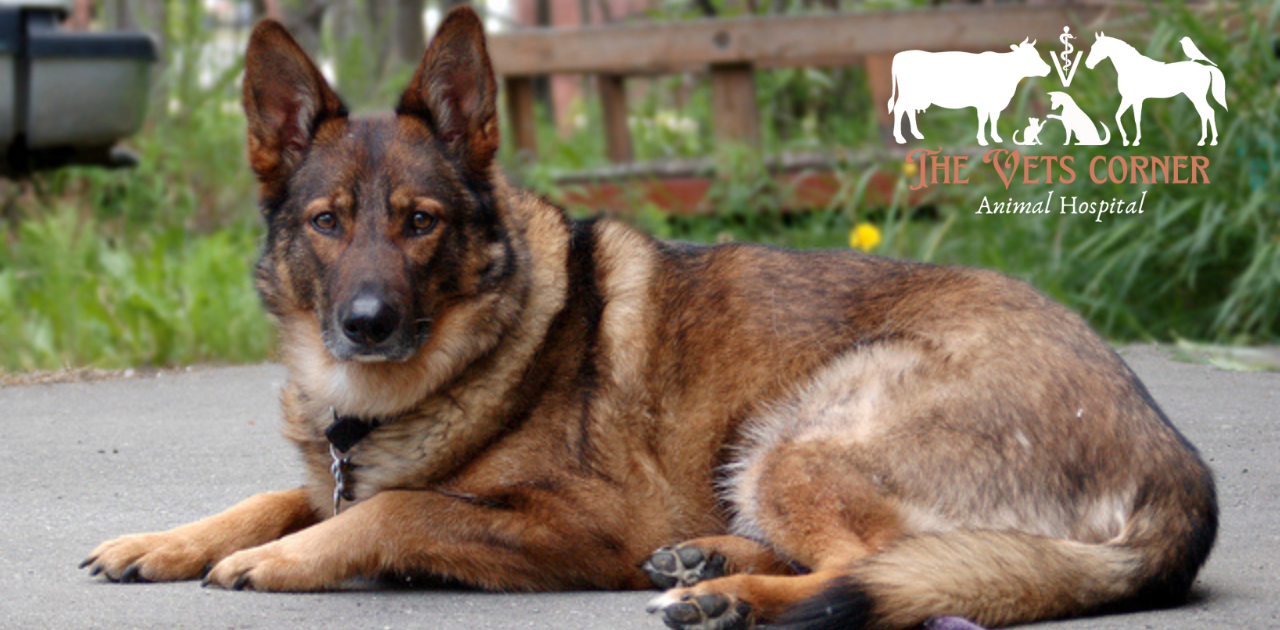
{"x": 277, "y": 566}
{"x": 153, "y": 557}
{"x": 685, "y": 610}
{"x": 680, "y": 565}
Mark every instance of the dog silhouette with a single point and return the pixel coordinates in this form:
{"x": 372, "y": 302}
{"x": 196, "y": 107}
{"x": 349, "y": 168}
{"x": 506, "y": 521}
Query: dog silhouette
{"x": 1076, "y": 121}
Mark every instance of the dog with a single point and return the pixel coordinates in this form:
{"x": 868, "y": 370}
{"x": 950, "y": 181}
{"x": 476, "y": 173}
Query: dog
{"x": 488, "y": 392}
{"x": 1032, "y": 133}
{"x": 1075, "y": 121}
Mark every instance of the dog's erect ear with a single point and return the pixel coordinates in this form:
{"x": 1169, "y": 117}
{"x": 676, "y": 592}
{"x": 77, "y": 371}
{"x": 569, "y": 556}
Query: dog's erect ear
{"x": 454, "y": 91}
{"x": 285, "y": 100}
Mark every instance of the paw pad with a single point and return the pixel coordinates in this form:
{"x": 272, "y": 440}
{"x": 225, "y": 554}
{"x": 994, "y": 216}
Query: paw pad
{"x": 711, "y": 611}
{"x": 670, "y": 567}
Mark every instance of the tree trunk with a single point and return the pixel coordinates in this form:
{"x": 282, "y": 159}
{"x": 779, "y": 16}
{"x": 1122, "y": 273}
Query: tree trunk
{"x": 303, "y": 18}
{"x": 411, "y": 38}
{"x": 542, "y": 83}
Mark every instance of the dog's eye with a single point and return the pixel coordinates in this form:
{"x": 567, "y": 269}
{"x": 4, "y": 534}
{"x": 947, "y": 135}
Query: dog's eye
{"x": 326, "y": 222}
{"x": 422, "y": 222}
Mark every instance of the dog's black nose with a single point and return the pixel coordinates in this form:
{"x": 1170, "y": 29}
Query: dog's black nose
{"x": 369, "y": 320}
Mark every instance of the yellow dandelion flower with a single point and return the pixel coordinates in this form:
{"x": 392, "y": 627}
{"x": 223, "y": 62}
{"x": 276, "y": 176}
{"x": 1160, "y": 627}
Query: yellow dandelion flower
{"x": 864, "y": 237}
{"x": 910, "y": 169}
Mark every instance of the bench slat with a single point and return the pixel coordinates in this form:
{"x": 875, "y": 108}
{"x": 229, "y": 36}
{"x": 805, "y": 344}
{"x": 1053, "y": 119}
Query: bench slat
{"x": 809, "y": 40}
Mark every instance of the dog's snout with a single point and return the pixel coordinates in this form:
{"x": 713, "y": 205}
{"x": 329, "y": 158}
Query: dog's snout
{"x": 369, "y": 320}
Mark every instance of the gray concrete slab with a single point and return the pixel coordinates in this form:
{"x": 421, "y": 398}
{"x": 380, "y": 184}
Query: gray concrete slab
{"x": 84, "y": 462}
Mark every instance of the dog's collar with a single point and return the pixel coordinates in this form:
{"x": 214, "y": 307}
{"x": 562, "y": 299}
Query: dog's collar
{"x": 347, "y": 431}
{"x": 343, "y": 434}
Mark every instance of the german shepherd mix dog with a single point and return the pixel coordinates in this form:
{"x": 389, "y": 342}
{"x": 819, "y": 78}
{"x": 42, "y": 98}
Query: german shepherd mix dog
{"x": 485, "y": 391}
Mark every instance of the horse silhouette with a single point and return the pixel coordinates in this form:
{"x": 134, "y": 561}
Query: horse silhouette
{"x": 1141, "y": 78}
{"x": 955, "y": 80}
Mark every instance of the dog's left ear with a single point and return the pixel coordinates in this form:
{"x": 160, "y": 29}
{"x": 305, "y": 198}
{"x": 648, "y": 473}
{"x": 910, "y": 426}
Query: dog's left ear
{"x": 455, "y": 92}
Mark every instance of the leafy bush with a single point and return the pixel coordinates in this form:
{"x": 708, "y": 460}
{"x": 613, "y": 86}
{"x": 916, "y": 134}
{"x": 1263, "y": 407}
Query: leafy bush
{"x": 71, "y": 297}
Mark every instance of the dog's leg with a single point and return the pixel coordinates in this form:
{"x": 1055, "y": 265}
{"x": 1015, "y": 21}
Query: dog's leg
{"x": 187, "y": 552}
{"x": 702, "y": 559}
{"x": 505, "y": 543}
{"x": 815, "y": 506}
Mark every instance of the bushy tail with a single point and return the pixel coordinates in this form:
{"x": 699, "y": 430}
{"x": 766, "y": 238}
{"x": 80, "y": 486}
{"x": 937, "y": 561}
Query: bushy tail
{"x": 995, "y": 579}
{"x": 1218, "y": 85}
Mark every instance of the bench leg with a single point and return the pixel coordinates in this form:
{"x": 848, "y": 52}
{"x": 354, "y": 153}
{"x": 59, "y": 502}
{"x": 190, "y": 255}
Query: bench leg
{"x": 521, "y": 114}
{"x": 613, "y": 95}
{"x": 733, "y": 103}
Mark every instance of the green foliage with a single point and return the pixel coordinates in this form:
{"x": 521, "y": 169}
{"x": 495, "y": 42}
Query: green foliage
{"x": 71, "y": 297}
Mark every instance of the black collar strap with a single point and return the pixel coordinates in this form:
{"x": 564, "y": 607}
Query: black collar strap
{"x": 347, "y": 431}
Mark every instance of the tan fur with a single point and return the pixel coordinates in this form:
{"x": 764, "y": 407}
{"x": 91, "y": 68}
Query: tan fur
{"x": 190, "y": 550}
{"x": 558, "y": 399}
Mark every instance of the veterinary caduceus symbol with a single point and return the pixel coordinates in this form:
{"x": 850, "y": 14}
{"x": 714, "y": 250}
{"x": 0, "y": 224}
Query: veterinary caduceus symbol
{"x": 1067, "y": 62}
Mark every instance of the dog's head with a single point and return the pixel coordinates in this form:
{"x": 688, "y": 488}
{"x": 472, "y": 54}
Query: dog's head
{"x": 381, "y": 228}
{"x": 1057, "y": 99}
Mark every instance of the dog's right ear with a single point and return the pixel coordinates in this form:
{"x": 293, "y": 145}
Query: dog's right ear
{"x": 454, "y": 91}
{"x": 286, "y": 99}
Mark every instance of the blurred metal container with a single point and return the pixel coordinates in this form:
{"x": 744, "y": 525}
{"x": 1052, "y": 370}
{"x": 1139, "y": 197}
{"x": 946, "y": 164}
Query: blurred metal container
{"x": 66, "y": 97}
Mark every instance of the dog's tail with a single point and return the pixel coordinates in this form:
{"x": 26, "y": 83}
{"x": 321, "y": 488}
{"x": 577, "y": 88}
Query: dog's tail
{"x": 1106, "y": 137}
{"x": 997, "y": 578}
{"x": 1218, "y": 86}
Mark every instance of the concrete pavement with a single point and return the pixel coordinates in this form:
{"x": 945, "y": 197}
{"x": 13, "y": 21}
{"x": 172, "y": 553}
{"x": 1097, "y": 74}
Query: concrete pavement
{"x": 83, "y": 462}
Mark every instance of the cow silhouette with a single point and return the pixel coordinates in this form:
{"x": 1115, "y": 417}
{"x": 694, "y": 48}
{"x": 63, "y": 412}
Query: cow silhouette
{"x": 955, "y": 80}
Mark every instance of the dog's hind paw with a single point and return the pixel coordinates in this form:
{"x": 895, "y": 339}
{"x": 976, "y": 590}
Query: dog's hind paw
{"x": 682, "y": 610}
{"x": 670, "y": 567}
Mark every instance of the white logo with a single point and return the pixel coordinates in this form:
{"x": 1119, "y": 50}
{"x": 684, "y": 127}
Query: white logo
{"x": 1076, "y": 121}
{"x": 1065, "y": 38}
{"x": 956, "y": 80}
{"x": 1141, "y": 78}
{"x": 987, "y": 81}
